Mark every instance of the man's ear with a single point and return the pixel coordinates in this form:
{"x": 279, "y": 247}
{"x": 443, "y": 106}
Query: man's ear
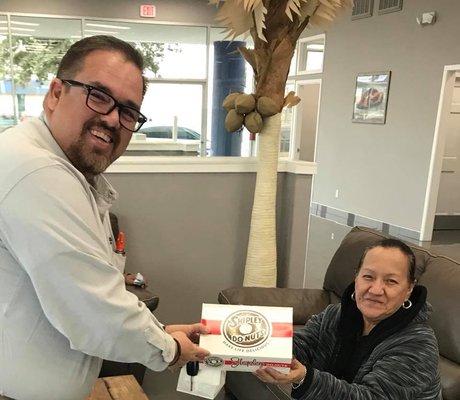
{"x": 54, "y": 94}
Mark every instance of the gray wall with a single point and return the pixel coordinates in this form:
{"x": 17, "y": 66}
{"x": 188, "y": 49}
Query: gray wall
{"x": 188, "y": 233}
{"x": 188, "y": 11}
{"x": 293, "y": 221}
{"x": 381, "y": 170}
{"x": 324, "y": 238}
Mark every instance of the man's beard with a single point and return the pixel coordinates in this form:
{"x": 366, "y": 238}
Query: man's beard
{"x": 88, "y": 160}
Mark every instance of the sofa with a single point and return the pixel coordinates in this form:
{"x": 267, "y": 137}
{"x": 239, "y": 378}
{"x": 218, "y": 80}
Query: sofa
{"x": 439, "y": 274}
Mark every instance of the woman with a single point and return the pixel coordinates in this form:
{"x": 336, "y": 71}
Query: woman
{"x": 376, "y": 344}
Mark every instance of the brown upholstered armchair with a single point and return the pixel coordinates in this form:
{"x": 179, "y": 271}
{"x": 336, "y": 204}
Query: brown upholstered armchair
{"x": 439, "y": 274}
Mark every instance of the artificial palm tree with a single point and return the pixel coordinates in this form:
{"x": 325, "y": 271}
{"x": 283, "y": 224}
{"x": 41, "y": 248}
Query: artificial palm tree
{"x": 275, "y": 26}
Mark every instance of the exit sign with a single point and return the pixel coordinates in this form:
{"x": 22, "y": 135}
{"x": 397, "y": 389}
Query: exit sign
{"x": 147, "y": 11}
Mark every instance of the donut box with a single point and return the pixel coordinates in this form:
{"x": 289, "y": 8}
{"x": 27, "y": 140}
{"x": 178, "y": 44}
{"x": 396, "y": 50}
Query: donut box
{"x": 245, "y": 338}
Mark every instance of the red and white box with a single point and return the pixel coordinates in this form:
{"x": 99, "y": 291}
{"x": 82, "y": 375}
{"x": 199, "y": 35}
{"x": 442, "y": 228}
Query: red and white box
{"x": 246, "y": 338}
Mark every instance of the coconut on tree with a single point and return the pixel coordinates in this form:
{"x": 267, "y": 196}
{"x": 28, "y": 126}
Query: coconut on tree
{"x": 275, "y": 27}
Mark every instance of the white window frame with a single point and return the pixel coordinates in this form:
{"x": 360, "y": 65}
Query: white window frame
{"x": 300, "y": 79}
{"x": 304, "y": 42}
{"x": 287, "y": 154}
{"x": 204, "y": 109}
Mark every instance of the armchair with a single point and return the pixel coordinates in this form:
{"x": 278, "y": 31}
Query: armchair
{"x": 439, "y": 274}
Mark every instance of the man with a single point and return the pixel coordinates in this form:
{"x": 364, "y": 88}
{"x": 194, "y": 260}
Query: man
{"x": 63, "y": 302}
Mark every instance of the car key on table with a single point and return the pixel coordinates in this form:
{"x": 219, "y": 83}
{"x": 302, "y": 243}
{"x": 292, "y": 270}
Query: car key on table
{"x": 192, "y": 370}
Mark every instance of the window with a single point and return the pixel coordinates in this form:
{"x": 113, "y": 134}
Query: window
{"x": 308, "y": 66}
{"x": 180, "y": 64}
{"x": 293, "y": 66}
{"x": 38, "y": 45}
{"x": 311, "y": 54}
{"x": 170, "y": 52}
{"x": 362, "y": 9}
{"x": 388, "y": 6}
{"x": 173, "y": 104}
{"x": 175, "y": 65}
{"x": 7, "y": 117}
{"x": 286, "y": 125}
{"x": 166, "y": 132}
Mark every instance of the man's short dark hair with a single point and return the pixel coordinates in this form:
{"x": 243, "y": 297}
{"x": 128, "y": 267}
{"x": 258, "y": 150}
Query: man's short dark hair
{"x": 394, "y": 244}
{"x": 73, "y": 59}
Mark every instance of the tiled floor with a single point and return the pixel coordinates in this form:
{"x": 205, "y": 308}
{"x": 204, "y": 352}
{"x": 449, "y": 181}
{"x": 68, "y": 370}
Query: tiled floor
{"x": 446, "y": 243}
{"x": 446, "y": 237}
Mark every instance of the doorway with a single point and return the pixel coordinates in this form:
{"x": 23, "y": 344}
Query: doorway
{"x": 443, "y": 183}
{"x": 306, "y": 120}
{"x": 304, "y": 134}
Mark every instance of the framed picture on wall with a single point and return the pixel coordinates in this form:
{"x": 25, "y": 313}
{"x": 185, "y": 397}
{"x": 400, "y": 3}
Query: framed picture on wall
{"x": 371, "y": 97}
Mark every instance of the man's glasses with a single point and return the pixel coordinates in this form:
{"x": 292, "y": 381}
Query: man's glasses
{"x": 103, "y": 103}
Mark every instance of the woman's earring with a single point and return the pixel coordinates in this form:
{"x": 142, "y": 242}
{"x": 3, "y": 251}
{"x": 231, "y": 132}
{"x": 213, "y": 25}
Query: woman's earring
{"x": 353, "y": 296}
{"x": 407, "y": 304}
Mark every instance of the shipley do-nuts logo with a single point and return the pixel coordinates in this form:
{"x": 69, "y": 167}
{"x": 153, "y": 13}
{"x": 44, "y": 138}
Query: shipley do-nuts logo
{"x": 246, "y": 328}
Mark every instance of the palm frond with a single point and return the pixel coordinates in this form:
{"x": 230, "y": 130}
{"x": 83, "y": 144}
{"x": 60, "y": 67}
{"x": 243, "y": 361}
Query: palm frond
{"x": 235, "y": 18}
{"x": 326, "y": 3}
{"x": 259, "y": 18}
{"x": 250, "y": 5}
{"x": 292, "y": 5}
{"x": 308, "y": 8}
{"x": 326, "y": 11}
{"x": 240, "y": 17}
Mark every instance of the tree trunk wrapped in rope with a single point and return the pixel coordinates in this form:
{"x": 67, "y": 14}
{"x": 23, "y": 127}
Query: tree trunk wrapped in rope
{"x": 261, "y": 257}
{"x": 275, "y": 26}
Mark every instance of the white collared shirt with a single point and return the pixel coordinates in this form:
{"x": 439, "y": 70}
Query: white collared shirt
{"x": 63, "y": 302}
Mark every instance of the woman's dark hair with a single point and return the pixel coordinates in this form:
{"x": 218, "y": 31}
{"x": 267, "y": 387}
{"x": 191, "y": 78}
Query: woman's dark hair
{"x": 73, "y": 59}
{"x": 394, "y": 244}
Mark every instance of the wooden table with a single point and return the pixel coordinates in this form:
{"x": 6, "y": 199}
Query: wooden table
{"x": 123, "y": 387}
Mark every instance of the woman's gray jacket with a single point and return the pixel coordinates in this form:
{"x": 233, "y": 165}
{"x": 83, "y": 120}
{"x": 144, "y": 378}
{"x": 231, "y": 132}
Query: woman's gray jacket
{"x": 404, "y": 366}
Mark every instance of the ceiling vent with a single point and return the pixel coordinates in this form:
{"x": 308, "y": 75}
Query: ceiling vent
{"x": 389, "y": 6}
{"x": 362, "y": 9}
